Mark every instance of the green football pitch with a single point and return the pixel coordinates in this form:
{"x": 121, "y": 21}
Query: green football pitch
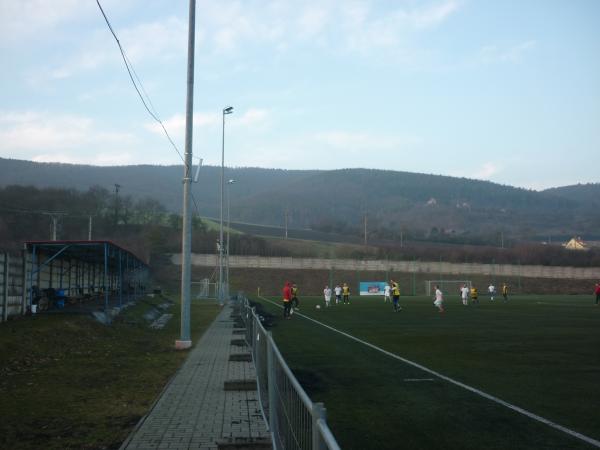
{"x": 540, "y": 354}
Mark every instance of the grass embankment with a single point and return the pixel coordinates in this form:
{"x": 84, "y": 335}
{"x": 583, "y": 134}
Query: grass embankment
{"x": 536, "y": 352}
{"x": 67, "y": 381}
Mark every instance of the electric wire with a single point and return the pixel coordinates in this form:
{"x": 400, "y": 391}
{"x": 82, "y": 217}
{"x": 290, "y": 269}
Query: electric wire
{"x": 152, "y": 112}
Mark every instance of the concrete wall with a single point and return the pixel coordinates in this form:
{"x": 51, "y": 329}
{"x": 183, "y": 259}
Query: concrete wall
{"x": 434, "y": 268}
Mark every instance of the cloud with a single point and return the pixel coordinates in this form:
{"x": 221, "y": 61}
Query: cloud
{"x": 493, "y": 54}
{"x": 118, "y": 158}
{"x": 392, "y": 28}
{"x": 158, "y": 41}
{"x": 175, "y": 125}
{"x": 23, "y": 18}
{"x": 360, "y": 141}
{"x": 486, "y": 171}
{"x": 253, "y": 117}
{"x": 432, "y": 15}
{"x": 235, "y": 24}
{"x": 163, "y": 40}
{"x": 60, "y": 137}
{"x": 313, "y": 21}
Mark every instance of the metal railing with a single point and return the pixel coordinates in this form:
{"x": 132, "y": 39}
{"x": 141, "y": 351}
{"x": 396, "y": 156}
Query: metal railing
{"x": 294, "y": 420}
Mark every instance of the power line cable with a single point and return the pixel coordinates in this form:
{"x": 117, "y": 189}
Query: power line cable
{"x": 152, "y": 113}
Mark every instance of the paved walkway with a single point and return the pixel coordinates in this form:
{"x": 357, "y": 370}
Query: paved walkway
{"x": 194, "y": 411}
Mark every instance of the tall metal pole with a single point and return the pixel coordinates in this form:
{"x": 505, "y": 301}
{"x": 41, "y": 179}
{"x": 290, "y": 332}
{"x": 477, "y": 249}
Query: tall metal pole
{"x": 90, "y": 228}
{"x": 229, "y": 183}
{"x": 221, "y": 213}
{"x": 185, "y": 340}
{"x": 227, "y": 110}
{"x": 117, "y": 187}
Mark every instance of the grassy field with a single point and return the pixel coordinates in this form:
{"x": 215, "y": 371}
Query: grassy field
{"x": 541, "y": 353}
{"x": 68, "y": 382}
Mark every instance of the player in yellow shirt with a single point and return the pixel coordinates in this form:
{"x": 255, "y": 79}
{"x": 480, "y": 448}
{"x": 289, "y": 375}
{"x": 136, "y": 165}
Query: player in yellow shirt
{"x": 346, "y": 294}
{"x": 295, "y": 301}
{"x": 505, "y": 291}
{"x": 395, "y": 295}
{"x": 474, "y": 295}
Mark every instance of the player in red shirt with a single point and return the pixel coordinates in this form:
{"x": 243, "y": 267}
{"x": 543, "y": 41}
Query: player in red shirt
{"x": 597, "y": 292}
{"x": 287, "y": 300}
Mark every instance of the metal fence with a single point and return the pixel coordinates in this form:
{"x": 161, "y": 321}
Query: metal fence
{"x": 12, "y": 282}
{"x": 294, "y": 420}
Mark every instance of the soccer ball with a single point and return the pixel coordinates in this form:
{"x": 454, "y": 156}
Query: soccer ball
{"x": 318, "y": 306}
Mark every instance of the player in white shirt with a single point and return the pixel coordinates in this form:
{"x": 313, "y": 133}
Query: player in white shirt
{"x": 327, "y": 295}
{"x": 464, "y": 294}
{"x": 492, "y": 291}
{"x": 439, "y": 299}
{"x": 387, "y": 292}
{"x": 338, "y": 293}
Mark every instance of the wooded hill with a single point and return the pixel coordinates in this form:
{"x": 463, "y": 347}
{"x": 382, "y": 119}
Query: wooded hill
{"x": 421, "y": 206}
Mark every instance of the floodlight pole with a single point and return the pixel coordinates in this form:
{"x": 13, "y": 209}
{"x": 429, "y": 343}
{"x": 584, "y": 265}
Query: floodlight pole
{"x": 229, "y": 183}
{"x": 227, "y": 110}
{"x": 185, "y": 340}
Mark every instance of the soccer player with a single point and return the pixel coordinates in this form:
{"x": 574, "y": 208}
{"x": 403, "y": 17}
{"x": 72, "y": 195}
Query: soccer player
{"x": 287, "y": 300}
{"x": 464, "y": 294}
{"x": 474, "y": 295}
{"x": 439, "y": 299}
{"x": 396, "y": 295}
{"x": 295, "y": 301}
{"x": 492, "y": 291}
{"x": 387, "y": 293}
{"x": 505, "y": 291}
{"x": 327, "y": 295}
{"x": 338, "y": 294}
{"x": 597, "y": 292}
{"x": 346, "y": 293}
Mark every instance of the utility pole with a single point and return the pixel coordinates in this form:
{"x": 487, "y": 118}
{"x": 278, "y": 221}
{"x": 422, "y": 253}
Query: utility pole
{"x": 117, "y": 187}
{"x": 285, "y": 219}
{"x": 54, "y": 220}
{"x": 365, "y": 229}
{"x": 54, "y": 216}
{"x": 90, "y": 228}
{"x": 185, "y": 340}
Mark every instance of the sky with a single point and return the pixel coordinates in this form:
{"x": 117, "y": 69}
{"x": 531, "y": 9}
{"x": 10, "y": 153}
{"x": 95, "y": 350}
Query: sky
{"x": 506, "y": 91}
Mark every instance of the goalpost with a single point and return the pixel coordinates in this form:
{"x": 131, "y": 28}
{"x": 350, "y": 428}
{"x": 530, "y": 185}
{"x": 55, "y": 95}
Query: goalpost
{"x": 204, "y": 289}
{"x": 451, "y": 286}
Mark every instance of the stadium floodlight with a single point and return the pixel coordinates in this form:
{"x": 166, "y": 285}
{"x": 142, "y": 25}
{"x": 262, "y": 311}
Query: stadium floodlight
{"x": 227, "y": 110}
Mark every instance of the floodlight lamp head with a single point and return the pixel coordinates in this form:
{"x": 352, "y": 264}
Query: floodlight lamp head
{"x": 228, "y": 110}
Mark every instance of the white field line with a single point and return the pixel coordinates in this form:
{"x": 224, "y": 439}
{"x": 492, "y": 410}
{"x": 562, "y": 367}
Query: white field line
{"x": 518, "y": 409}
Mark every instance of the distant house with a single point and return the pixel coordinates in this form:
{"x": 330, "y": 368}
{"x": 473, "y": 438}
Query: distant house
{"x": 575, "y": 243}
{"x": 431, "y": 202}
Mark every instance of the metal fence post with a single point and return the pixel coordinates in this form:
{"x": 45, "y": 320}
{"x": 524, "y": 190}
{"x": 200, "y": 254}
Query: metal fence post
{"x": 5, "y": 290}
{"x": 271, "y": 389}
{"x": 318, "y": 412}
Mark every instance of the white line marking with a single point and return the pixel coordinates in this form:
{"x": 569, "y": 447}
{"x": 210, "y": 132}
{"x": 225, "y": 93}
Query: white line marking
{"x": 418, "y": 379}
{"x": 518, "y": 409}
